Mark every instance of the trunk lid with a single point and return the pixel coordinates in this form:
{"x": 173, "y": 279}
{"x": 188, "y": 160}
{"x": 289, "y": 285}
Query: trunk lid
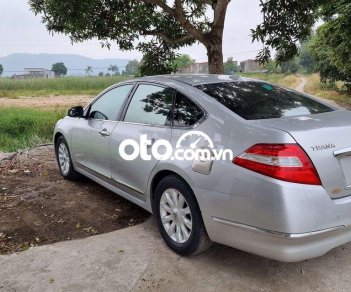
{"x": 326, "y": 138}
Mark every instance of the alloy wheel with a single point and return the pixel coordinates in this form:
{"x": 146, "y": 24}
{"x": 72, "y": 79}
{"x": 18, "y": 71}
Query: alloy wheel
{"x": 175, "y": 215}
{"x": 64, "y": 159}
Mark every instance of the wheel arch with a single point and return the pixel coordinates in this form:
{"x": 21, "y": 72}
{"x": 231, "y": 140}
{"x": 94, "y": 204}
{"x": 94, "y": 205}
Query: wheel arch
{"x": 158, "y": 176}
{"x": 57, "y": 135}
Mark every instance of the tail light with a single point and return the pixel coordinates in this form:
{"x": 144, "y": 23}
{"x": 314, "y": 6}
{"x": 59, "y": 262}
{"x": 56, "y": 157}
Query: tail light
{"x": 287, "y": 162}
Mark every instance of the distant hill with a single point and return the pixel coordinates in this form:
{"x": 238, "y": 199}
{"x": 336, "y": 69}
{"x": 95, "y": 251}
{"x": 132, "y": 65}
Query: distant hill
{"x": 15, "y": 63}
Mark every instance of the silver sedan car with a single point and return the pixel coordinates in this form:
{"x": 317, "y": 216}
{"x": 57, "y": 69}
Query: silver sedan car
{"x": 283, "y": 193}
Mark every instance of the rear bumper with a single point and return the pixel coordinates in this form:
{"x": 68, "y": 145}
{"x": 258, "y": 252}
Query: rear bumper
{"x": 278, "y": 220}
{"x": 285, "y": 247}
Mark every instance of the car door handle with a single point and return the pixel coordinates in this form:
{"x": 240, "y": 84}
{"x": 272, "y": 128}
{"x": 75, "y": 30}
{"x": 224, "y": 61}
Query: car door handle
{"x": 104, "y": 133}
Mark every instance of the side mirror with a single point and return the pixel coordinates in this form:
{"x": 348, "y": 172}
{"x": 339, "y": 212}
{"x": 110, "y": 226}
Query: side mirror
{"x": 76, "y": 112}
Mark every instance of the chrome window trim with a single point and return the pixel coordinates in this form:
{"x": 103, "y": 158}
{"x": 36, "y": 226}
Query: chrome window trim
{"x": 142, "y": 124}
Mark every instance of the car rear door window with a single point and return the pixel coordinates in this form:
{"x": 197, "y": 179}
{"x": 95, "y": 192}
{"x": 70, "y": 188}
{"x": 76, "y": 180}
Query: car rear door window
{"x": 253, "y": 100}
{"x": 109, "y": 104}
{"x": 150, "y": 104}
{"x": 186, "y": 112}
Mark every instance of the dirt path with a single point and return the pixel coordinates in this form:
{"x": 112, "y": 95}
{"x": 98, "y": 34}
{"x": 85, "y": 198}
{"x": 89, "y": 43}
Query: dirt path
{"x": 53, "y": 101}
{"x": 301, "y": 88}
{"x": 302, "y": 84}
{"x": 37, "y": 206}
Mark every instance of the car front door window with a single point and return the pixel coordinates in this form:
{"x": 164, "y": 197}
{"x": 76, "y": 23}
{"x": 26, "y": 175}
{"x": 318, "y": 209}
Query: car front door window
{"x": 91, "y": 137}
{"x": 108, "y": 105}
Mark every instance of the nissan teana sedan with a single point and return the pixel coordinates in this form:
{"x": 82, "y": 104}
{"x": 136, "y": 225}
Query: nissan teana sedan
{"x": 281, "y": 188}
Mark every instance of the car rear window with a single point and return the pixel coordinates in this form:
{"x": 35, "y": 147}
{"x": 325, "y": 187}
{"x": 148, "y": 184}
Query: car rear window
{"x": 253, "y": 100}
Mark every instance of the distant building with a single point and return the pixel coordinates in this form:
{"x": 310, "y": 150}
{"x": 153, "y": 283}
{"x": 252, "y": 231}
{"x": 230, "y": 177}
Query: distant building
{"x": 20, "y": 76}
{"x": 40, "y": 73}
{"x": 196, "y": 68}
{"x": 35, "y": 73}
{"x": 249, "y": 66}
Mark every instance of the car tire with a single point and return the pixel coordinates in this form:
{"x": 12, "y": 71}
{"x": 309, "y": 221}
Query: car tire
{"x": 178, "y": 216}
{"x": 64, "y": 160}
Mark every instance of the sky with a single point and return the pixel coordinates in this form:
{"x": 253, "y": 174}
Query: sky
{"x": 22, "y": 32}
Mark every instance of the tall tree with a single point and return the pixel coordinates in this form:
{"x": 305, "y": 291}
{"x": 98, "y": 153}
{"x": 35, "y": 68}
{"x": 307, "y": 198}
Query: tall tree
{"x": 182, "y": 61}
{"x": 291, "y": 66}
{"x": 175, "y": 23}
{"x": 231, "y": 66}
{"x": 114, "y": 69}
{"x": 284, "y": 24}
{"x": 157, "y": 59}
{"x": 132, "y": 68}
{"x": 287, "y": 22}
{"x": 331, "y": 47}
{"x": 1, "y": 69}
{"x": 88, "y": 70}
{"x": 307, "y": 60}
{"x": 59, "y": 69}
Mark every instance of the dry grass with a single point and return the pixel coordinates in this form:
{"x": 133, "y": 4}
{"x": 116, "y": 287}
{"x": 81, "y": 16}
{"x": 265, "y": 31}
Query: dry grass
{"x": 46, "y": 102}
{"x": 318, "y": 89}
{"x": 12, "y": 88}
{"x": 290, "y": 81}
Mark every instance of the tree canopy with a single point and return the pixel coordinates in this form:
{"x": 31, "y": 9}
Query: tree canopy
{"x": 307, "y": 61}
{"x": 59, "y": 69}
{"x": 230, "y": 66}
{"x": 331, "y": 47}
{"x": 183, "y": 22}
{"x": 88, "y": 70}
{"x": 114, "y": 69}
{"x": 183, "y": 60}
{"x": 157, "y": 59}
{"x": 1, "y": 69}
{"x": 284, "y": 24}
{"x": 132, "y": 68}
{"x": 127, "y": 22}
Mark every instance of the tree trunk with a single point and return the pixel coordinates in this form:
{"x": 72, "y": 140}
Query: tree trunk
{"x": 215, "y": 58}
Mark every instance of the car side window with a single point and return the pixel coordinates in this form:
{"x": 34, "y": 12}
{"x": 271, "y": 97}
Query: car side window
{"x": 109, "y": 104}
{"x": 150, "y": 104}
{"x": 186, "y": 112}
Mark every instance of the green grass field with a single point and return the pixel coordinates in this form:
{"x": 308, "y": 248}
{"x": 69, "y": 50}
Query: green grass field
{"x": 57, "y": 86}
{"x": 21, "y": 128}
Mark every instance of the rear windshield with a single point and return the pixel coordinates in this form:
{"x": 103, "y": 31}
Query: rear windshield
{"x": 254, "y": 100}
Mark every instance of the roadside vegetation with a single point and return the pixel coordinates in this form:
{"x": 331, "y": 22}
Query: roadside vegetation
{"x": 291, "y": 80}
{"x": 22, "y": 128}
{"x": 13, "y": 88}
{"x": 333, "y": 91}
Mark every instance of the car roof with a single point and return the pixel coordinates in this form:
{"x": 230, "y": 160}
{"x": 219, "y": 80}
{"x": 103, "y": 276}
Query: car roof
{"x": 193, "y": 79}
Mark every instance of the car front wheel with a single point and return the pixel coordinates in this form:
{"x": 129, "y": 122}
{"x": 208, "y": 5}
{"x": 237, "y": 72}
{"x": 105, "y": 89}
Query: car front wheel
{"x": 179, "y": 218}
{"x": 64, "y": 160}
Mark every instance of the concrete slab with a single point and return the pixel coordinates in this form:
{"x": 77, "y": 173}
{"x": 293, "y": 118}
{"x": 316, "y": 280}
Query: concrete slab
{"x": 136, "y": 259}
